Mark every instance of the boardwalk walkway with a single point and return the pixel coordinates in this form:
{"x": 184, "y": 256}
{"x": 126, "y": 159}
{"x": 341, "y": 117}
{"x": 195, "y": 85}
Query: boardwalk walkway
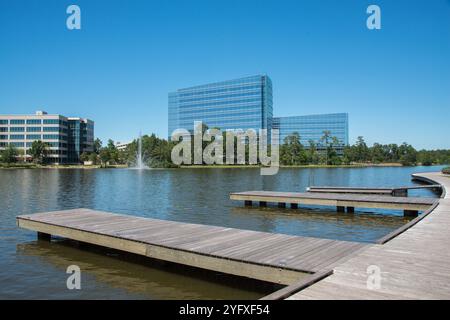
{"x": 413, "y": 265}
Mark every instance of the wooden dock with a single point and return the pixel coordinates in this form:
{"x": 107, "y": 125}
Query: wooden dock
{"x": 395, "y": 192}
{"x": 413, "y": 265}
{"x": 276, "y": 258}
{"x": 410, "y": 205}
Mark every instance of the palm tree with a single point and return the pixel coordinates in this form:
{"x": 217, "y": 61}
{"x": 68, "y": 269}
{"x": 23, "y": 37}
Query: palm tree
{"x": 326, "y": 136}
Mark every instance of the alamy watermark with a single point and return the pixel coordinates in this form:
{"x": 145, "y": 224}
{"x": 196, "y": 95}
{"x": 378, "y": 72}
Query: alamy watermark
{"x": 373, "y": 281}
{"x": 192, "y": 148}
{"x": 373, "y": 22}
{"x": 73, "y": 21}
{"x": 74, "y": 280}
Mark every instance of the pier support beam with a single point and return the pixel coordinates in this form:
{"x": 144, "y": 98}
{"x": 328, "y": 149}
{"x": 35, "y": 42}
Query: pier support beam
{"x": 410, "y": 213}
{"x": 44, "y": 236}
{"x": 263, "y": 204}
{"x": 281, "y": 205}
{"x": 350, "y": 209}
{"x": 340, "y": 209}
{"x": 400, "y": 192}
{"x": 248, "y": 203}
{"x": 294, "y": 205}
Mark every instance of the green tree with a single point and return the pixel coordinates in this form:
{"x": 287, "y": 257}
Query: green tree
{"x": 97, "y": 145}
{"x": 104, "y": 156}
{"x": 84, "y": 157}
{"x": 292, "y": 151}
{"x": 377, "y": 153}
{"x": 329, "y": 143}
{"x": 361, "y": 150}
{"x": 93, "y": 157}
{"x": 313, "y": 156}
{"x": 38, "y": 151}
{"x": 9, "y": 154}
{"x": 408, "y": 155}
{"x": 113, "y": 152}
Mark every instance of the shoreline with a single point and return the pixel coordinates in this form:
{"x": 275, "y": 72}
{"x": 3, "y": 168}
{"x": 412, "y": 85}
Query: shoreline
{"x": 224, "y": 166}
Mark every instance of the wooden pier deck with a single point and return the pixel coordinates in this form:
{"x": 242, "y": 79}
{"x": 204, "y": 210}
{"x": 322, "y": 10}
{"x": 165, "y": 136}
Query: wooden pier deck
{"x": 383, "y": 191}
{"x": 276, "y": 258}
{"x": 413, "y": 265}
{"x": 396, "y": 192}
{"x": 410, "y": 205}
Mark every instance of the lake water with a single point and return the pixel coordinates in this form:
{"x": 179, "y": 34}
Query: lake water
{"x": 36, "y": 269}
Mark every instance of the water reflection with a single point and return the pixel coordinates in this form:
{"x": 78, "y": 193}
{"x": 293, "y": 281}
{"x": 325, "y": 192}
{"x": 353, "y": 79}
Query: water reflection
{"x": 111, "y": 274}
{"x": 30, "y": 269}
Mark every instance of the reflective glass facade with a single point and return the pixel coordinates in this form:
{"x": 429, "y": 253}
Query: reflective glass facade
{"x": 244, "y": 103}
{"x": 311, "y": 127}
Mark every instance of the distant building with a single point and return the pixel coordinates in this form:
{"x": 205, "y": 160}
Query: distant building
{"x": 66, "y": 137}
{"x": 244, "y": 103}
{"x": 122, "y": 145}
{"x": 312, "y": 127}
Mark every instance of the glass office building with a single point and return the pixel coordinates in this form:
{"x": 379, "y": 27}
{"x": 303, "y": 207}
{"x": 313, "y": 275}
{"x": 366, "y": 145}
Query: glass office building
{"x": 80, "y": 138}
{"x": 244, "y": 103}
{"x": 311, "y": 127}
{"x": 66, "y": 138}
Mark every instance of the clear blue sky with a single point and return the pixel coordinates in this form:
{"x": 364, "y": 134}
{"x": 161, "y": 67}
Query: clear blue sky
{"x": 119, "y": 68}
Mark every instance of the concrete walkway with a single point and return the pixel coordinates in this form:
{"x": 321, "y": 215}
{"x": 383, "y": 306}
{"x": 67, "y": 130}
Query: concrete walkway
{"x": 414, "y": 265}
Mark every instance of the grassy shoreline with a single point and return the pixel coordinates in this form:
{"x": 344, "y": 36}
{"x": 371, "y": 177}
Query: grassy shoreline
{"x": 223, "y": 166}
{"x": 231, "y": 166}
{"x": 74, "y": 166}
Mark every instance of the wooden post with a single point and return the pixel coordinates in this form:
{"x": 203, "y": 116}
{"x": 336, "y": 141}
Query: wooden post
{"x": 340, "y": 209}
{"x": 281, "y": 205}
{"x": 294, "y": 205}
{"x": 410, "y": 213}
{"x": 350, "y": 209}
{"x": 263, "y": 204}
{"x": 44, "y": 236}
{"x": 248, "y": 203}
{"x": 400, "y": 192}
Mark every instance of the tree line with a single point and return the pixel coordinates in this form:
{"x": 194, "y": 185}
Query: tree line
{"x": 327, "y": 151}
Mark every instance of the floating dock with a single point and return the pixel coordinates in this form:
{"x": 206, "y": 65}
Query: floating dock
{"x": 409, "y": 205}
{"x": 270, "y": 257}
{"x": 395, "y": 192}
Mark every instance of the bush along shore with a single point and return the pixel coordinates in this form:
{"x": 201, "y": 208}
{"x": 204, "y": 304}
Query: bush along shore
{"x": 157, "y": 154}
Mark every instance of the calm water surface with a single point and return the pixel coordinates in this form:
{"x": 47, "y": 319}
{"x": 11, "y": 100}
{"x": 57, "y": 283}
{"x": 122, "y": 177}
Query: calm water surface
{"x": 36, "y": 270}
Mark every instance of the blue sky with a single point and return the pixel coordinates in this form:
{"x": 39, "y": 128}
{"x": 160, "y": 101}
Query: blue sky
{"x": 119, "y": 68}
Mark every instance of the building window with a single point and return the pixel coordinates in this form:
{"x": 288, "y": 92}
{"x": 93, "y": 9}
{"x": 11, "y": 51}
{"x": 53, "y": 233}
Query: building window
{"x": 3, "y": 137}
{"x": 17, "y": 121}
{"x": 34, "y": 129}
{"x": 3, "y": 121}
{"x": 17, "y": 129}
{"x": 33, "y": 137}
{"x": 51, "y": 121}
{"x": 51, "y": 129}
{"x": 34, "y": 121}
{"x": 51, "y": 137}
{"x": 3, "y": 129}
{"x": 16, "y": 137}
